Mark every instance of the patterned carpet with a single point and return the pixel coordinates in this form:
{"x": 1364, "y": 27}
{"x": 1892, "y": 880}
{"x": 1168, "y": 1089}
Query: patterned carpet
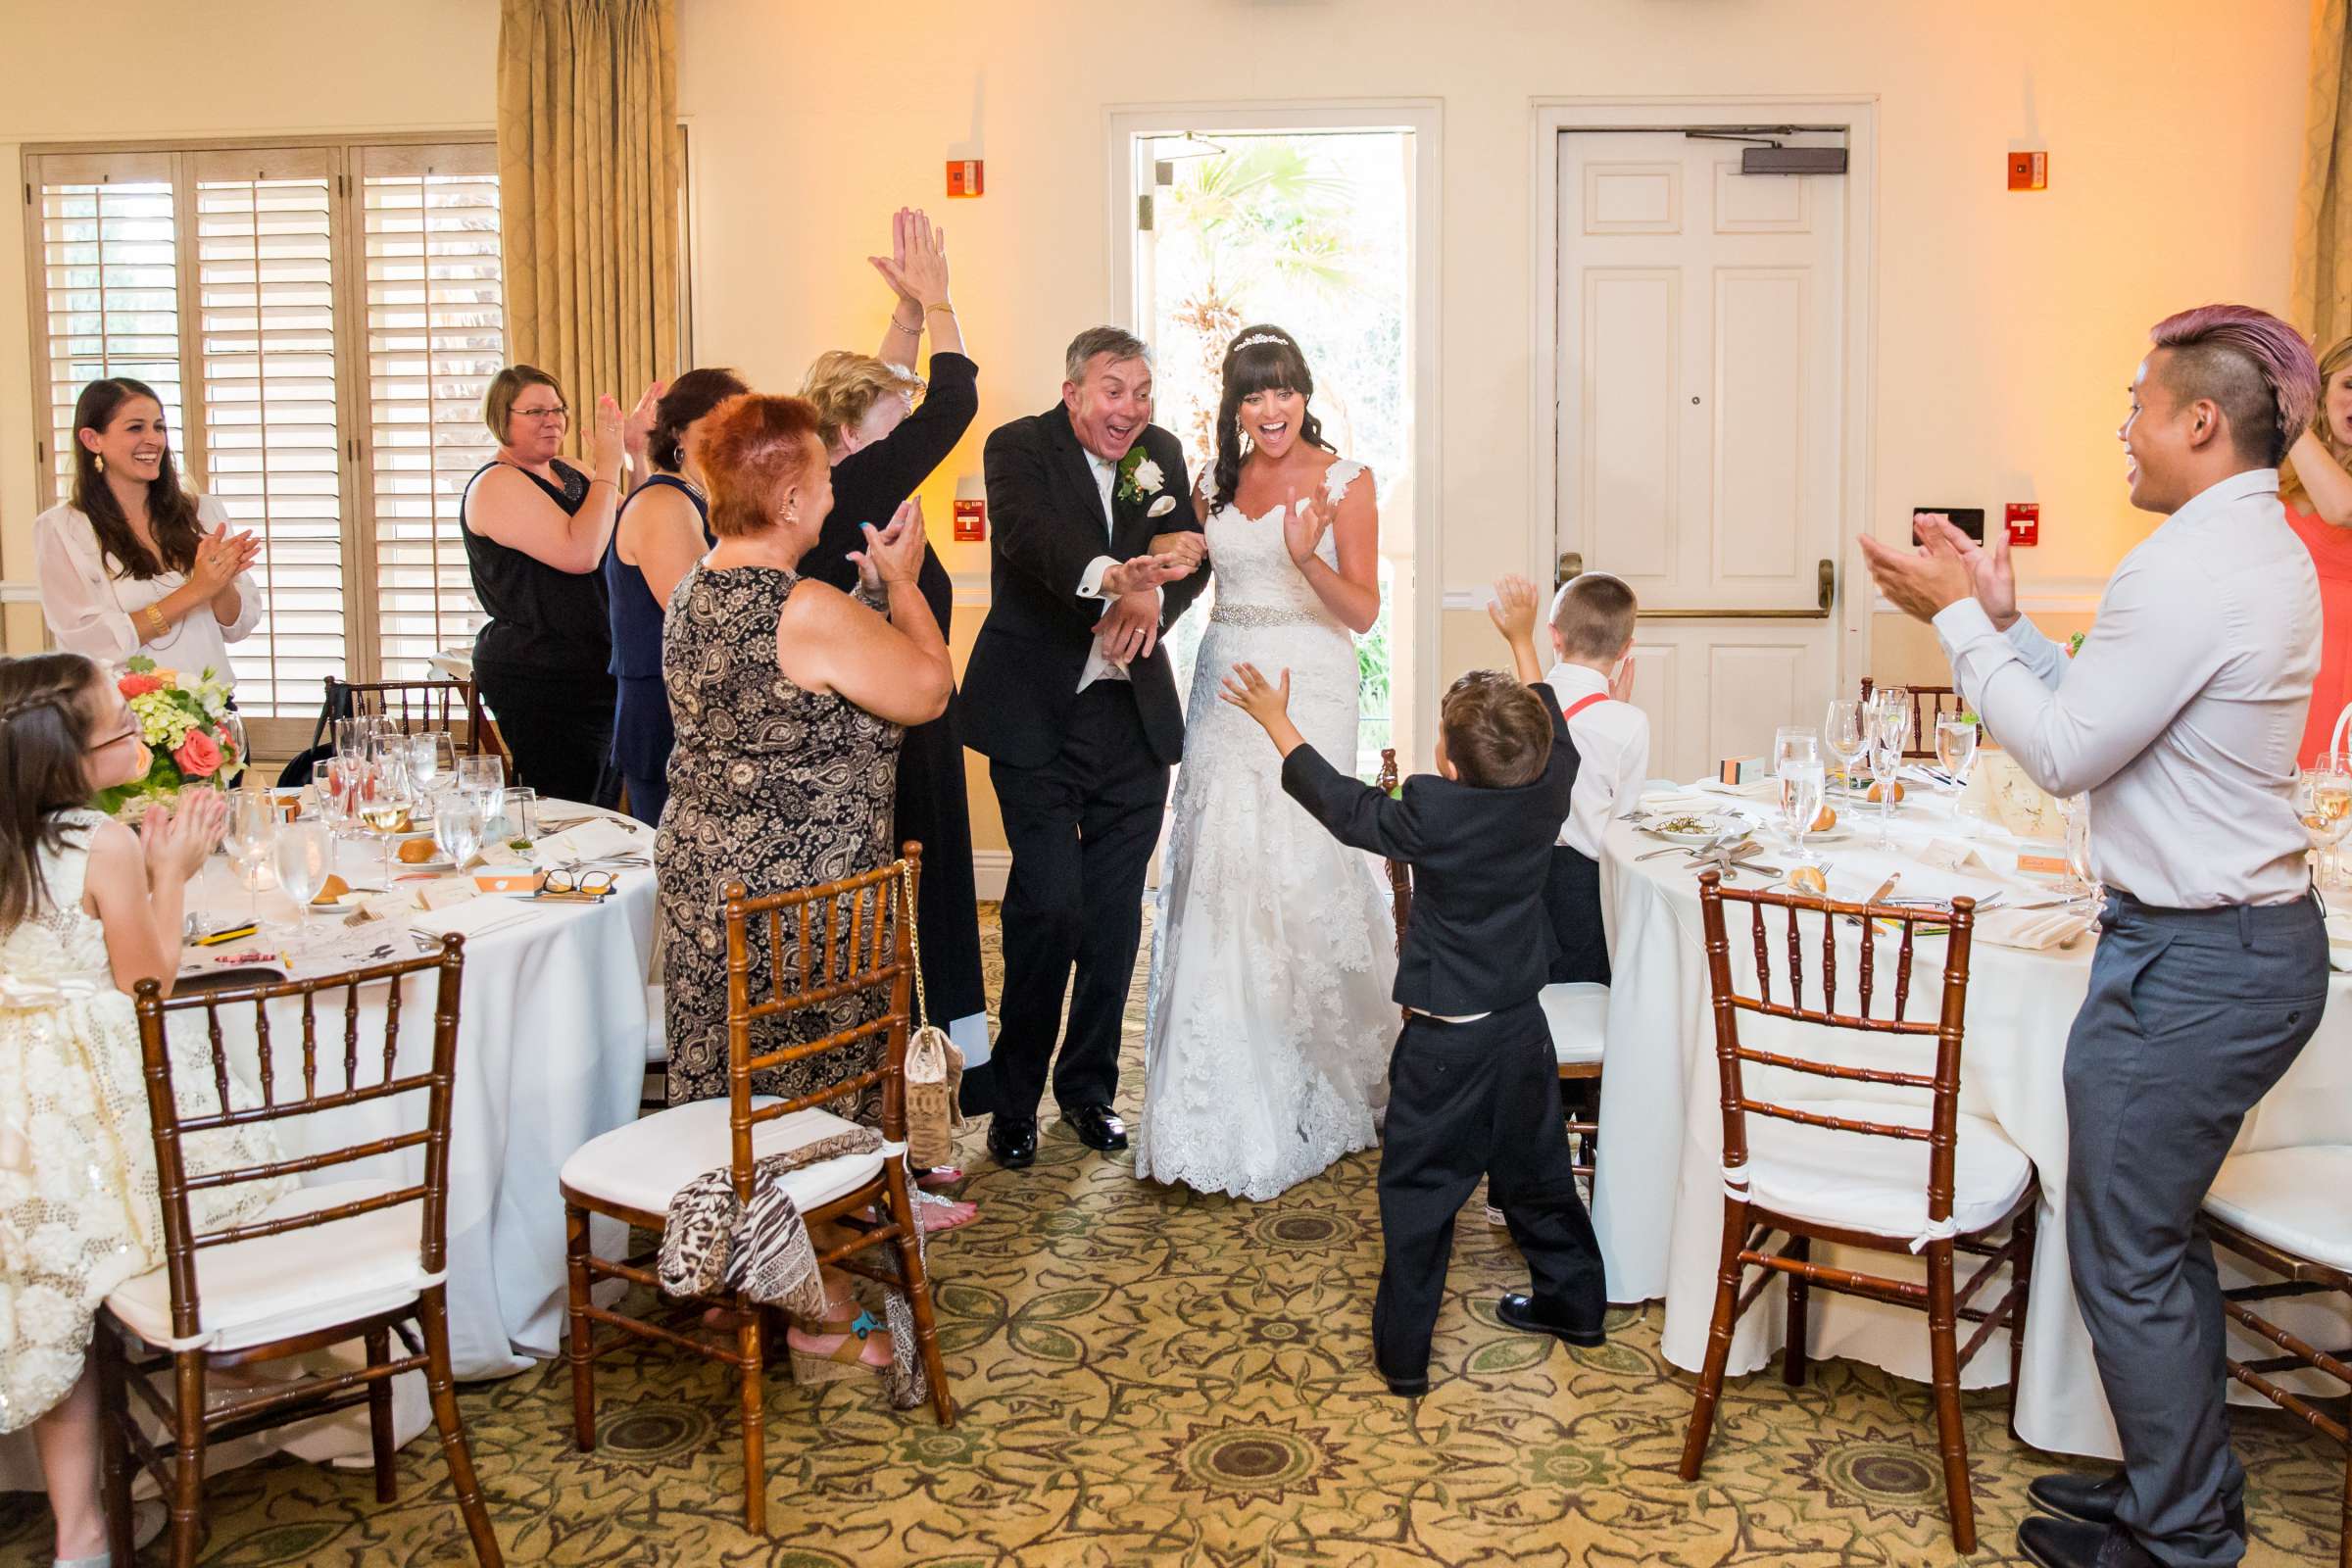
{"x": 1151, "y": 1377}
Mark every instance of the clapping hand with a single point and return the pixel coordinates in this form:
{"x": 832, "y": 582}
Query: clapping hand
{"x": 1302, "y": 528}
{"x": 1922, "y": 583}
{"x": 1144, "y": 572}
{"x": 607, "y": 440}
{"x": 894, "y": 553}
{"x": 916, "y": 270}
{"x": 1130, "y": 629}
{"x": 640, "y": 422}
{"x": 220, "y": 557}
{"x": 176, "y": 839}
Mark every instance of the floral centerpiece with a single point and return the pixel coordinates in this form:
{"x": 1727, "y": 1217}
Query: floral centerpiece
{"x": 182, "y": 722}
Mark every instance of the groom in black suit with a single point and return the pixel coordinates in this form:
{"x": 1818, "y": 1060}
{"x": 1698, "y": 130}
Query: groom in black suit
{"x": 1069, "y": 697}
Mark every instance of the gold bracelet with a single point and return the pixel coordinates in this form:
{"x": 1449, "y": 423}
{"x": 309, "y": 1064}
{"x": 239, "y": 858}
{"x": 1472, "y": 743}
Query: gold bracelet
{"x": 155, "y": 618}
{"x": 941, "y": 306}
{"x": 910, "y": 331}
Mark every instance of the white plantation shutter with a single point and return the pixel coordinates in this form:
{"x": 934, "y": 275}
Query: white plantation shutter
{"x": 106, "y": 285}
{"x": 436, "y": 334}
{"x": 266, "y": 321}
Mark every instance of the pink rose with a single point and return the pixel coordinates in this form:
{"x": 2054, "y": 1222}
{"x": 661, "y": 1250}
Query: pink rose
{"x": 198, "y": 756}
{"x": 139, "y": 685}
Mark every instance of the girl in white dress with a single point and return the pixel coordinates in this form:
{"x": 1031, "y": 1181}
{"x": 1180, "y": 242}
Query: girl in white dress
{"x": 87, "y": 910}
{"x": 1269, "y": 1020}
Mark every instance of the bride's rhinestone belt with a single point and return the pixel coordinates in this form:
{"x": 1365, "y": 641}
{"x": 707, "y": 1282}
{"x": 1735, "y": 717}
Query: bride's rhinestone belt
{"x": 1263, "y": 615}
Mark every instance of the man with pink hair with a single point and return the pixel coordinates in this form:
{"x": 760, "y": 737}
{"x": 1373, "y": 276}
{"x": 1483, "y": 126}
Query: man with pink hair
{"x": 2180, "y": 718}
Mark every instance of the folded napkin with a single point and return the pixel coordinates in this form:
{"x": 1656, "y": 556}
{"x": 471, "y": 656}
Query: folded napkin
{"x": 588, "y": 841}
{"x": 472, "y": 918}
{"x": 2035, "y": 929}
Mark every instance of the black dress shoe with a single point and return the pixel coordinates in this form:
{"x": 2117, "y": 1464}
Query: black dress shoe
{"x": 1534, "y": 1315}
{"x": 2078, "y": 1544}
{"x": 1404, "y": 1388}
{"x": 1012, "y": 1141}
{"x": 1097, "y": 1127}
{"x": 2093, "y": 1500}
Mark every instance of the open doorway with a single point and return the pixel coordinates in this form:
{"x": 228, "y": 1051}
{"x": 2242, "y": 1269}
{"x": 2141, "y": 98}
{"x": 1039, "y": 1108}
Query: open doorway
{"x": 1234, "y": 218}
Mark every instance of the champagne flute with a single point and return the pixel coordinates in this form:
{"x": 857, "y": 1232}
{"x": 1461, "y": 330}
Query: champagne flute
{"x": 1955, "y": 750}
{"x": 1886, "y": 763}
{"x": 1792, "y": 745}
{"x": 305, "y": 854}
{"x": 252, "y": 829}
{"x": 1894, "y": 711}
{"x": 1847, "y": 731}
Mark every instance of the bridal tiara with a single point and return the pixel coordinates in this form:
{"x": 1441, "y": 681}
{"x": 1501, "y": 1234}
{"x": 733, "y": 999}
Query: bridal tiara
{"x": 1255, "y": 338}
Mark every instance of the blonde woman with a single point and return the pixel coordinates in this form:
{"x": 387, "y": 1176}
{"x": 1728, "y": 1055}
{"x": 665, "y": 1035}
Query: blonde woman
{"x": 883, "y": 445}
{"x": 2316, "y": 491}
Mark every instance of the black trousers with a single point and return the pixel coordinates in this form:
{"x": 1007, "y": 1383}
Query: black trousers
{"x": 1081, "y": 829}
{"x": 1465, "y": 1100}
{"x": 2192, "y": 1015}
{"x": 559, "y": 728}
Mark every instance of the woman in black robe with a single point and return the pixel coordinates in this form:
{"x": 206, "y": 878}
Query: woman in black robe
{"x": 884, "y": 446}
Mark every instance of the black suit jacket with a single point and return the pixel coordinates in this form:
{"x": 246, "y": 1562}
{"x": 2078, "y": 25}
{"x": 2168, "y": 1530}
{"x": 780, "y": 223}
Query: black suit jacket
{"x": 1480, "y": 938}
{"x": 1046, "y": 525}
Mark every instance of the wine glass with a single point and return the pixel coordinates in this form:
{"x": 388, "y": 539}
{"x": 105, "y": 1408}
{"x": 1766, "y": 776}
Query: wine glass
{"x": 304, "y": 854}
{"x": 390, "y": 804}
{"x": 1801, "y": 783}
{"x": 232, "y": 738}
{"x": 2076, "y": 809}
{"x": 433, "y": 765}
{"x": 1955, "y": 750}
{"x": 252, "y": 828}
{"x": 2324, "y": 806}
{"x": 458, "y": 825}
{"x": 1847, "y": 731}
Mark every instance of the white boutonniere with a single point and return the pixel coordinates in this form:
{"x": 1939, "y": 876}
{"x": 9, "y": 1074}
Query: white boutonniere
{"x": 1140, "y": 480}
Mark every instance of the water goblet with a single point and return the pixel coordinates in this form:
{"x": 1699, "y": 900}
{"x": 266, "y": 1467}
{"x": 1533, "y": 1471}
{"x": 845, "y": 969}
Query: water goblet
{"x": 1955, "y": 751}
{"x": 458, "y": 826}
{"x": 305, "y": 854}
{"x": 252, "y": 829}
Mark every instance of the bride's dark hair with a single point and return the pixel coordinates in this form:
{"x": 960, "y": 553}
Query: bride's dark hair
{"x": 1261, "y": 359}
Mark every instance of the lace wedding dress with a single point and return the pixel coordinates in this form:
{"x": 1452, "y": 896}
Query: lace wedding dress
{"x": 1269, "y": 1023}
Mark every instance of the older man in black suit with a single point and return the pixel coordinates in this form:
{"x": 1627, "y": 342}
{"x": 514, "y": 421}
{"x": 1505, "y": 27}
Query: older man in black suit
{"x": 1069, "y": 697}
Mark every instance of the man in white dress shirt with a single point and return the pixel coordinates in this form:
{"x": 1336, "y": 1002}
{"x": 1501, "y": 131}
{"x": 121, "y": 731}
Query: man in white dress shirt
{"x": 2180, "y": 717}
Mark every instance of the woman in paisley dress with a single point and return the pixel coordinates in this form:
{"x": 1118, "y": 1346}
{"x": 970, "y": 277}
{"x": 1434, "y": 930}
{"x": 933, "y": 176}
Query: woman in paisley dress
{"x": 1269, "y": 1022}
{"x": 88, "y": 909}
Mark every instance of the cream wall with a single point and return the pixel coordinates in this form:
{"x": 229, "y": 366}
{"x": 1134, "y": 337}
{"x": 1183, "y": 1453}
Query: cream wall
{"x": 2005, "y": 325}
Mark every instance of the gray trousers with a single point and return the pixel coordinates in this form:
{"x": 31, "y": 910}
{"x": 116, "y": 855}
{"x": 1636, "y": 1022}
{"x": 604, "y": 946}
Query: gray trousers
{"x": 2192, "y": 1015}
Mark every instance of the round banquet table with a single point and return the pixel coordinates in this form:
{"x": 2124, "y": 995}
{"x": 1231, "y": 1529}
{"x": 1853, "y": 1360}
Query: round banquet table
{"x": 550, "y": 1054}
{"x": 1659, "y": 1189}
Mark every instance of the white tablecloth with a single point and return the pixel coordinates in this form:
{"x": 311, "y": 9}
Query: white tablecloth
{"x": 550, "y": 1054}
{"x": 1659, "y": 1196}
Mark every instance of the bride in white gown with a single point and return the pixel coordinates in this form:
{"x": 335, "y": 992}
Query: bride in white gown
{"x": 1273, "y": 954}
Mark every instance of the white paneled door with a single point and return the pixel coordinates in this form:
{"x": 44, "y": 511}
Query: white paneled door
{"x": 1700, "y": 421}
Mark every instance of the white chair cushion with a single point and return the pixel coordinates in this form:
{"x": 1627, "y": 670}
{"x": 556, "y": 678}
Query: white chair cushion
{"x": 2293, "y": 1198}
{"x": 1579, "y": 1016}
{"x": 1879, "y": 1185}
{"x": 273, "y": 1286}
{"x": 657, "y": 1026}
{"x": 642, "y": 1164}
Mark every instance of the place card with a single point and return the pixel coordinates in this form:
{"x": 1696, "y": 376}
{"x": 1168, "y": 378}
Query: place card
{"x": 511, "y": 882}
{"x": 443, "y": 891}
{"x": 2043, "y": 865}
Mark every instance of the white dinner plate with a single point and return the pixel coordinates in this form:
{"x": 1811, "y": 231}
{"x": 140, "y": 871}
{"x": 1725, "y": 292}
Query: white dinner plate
{"x": 1695, "y": 825}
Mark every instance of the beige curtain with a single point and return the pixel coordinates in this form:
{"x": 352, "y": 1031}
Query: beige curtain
{"x": 2322, "y": 293}
{"x": 588, "y": 192}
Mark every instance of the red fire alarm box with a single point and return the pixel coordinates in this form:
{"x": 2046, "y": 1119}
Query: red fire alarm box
{"x": 2025, "y": 522}
{"x": 964, "y": 176}
{"x": 2028, "y": 171}
{"x": 971, "y": 522}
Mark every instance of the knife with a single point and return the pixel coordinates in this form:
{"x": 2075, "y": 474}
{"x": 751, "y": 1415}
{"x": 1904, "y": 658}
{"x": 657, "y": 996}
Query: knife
{"x": 1885, "y": 888}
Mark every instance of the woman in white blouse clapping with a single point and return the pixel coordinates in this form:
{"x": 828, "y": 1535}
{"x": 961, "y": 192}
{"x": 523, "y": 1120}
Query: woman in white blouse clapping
{"x": 134, "y": 563}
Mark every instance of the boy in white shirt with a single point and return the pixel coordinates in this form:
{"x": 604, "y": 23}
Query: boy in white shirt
{"x": 1593, "y": 641}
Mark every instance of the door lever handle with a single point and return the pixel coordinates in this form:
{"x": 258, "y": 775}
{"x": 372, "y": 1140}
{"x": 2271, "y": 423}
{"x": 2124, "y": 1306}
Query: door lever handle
{"x": 1571, "y": 564}
{"x": 1828, "y": 582}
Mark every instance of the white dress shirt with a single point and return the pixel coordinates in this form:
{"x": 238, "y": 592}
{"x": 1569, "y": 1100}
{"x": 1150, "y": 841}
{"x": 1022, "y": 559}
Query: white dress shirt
{"x": 93, "y": 610}
{"x": 1612, "y": 744}
{"x": 2183, "y": 713}
{"x": 1090, "y": 585}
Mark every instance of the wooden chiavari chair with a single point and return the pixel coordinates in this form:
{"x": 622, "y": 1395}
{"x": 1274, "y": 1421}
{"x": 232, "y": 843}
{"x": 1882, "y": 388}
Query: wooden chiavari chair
{"x": 631, "y": 1173}
{"x": 1938, "y": 700}
{"x": 418, "y": 707}
{"x": 1826, "y": 1170}
{"x": 2282, "y": 1211}
{"x": 1576, "y": 1014}
{"x": 361, "y": 1259}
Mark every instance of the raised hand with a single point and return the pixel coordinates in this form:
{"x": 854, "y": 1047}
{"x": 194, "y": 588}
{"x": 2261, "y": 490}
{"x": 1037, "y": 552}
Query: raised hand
{"x": 918, "y": 268}
{"x": 640, "y": 422}
{"x": 1144, "y": 572}
{"x": 1251, "y": 693}
{"x": 1130, "y": 629}
{"x": 1513, "y": 611}
{"x": 1304, "y": 524}
{"x": 607, "y": 442}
